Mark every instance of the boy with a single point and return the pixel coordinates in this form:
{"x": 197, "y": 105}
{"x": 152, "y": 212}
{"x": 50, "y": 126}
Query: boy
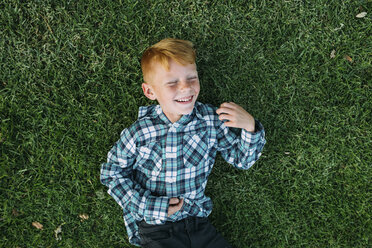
{"x": 158, "y": 169}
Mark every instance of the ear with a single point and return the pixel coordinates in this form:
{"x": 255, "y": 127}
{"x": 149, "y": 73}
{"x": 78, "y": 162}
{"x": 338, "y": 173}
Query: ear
{"x": 147, "y": 90}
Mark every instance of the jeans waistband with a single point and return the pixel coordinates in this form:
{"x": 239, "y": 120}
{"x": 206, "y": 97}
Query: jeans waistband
{"x": 188, "y": 223}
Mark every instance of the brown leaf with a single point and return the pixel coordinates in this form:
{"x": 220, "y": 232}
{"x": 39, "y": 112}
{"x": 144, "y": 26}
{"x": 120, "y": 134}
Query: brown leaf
{"x": 83, "y": 217}
{"x": 348, "y": 58}
{"x": 37, "y": 225}
{"x": 15, "y": 212}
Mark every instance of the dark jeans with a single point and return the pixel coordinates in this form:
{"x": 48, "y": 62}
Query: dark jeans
{"x": 192, "y": 232}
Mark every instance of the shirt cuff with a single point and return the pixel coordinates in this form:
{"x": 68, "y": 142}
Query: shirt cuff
{"x": 156, "y": 210}
{"x": 253, "y": 137}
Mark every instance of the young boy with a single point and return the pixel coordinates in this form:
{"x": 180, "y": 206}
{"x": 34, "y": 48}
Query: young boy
{"x": 158, "y": 169}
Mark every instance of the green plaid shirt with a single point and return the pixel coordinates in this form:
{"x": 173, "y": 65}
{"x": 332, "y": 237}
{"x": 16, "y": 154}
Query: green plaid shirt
{"x": 155, "y": 160}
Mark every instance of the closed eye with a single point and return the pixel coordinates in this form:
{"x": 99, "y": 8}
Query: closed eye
{"x": 191, "y": 79}
{"x": 171, "y": 83}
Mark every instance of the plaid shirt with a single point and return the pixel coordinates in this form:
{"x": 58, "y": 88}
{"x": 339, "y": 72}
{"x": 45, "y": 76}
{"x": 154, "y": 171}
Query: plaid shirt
{"x": 155, "y": 160}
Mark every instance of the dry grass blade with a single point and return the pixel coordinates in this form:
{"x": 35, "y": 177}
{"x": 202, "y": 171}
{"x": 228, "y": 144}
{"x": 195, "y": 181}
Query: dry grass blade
{"x": 83, "y": 217}
{"x": 348, "y": 58}
{"x": 37, "y": 225}
{"x": 57, "y": 232}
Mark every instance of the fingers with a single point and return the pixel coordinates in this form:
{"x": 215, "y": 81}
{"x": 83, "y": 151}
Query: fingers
{"x": 228, "y": 111}
{"x": 229, "y": 124}
{"x": 229, "y": 121}
{"x": 225, "y": 117}
{"x": 224, "y": 110}
{"x": 174, "y": 201}
{"x": 228, "y": 104}
{"x": 179, "y": 204}
{"x": 234, "y": 115}
{"x": 175, "y": 207}
{"x": 226, "y": 107}
{"x": 172, "y": 210}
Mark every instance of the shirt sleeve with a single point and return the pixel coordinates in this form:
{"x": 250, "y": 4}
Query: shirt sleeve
{"x": 241, "y": 150}
{"x": 117, "y": 175}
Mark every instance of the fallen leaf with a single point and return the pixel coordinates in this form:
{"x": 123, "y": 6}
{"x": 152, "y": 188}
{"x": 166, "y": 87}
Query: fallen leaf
{"x": 361, "y": 15}
{"x": 37, "y": 225}
{"x": 83, "y": 217}
{"x": 57, "y": 232}
{"x": 15, "y": 212}
{"x": 341, "y": 26}
{"x": 333, "y": 54}
{"x": 348, "y": 58}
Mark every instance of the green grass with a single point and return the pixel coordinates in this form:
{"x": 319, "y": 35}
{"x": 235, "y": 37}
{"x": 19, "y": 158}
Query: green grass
{"x": 70, "y": 82}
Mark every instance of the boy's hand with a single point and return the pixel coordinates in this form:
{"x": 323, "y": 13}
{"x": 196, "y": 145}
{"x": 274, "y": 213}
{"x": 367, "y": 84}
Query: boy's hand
{"x": 175, "y": 205}
{"x": 236, "y": 116}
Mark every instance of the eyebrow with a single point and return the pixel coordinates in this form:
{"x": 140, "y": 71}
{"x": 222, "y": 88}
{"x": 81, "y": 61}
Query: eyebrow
{"x": 192, "y": 77}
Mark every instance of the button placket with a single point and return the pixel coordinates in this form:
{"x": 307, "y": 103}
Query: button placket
{"x": 171, "y": 156}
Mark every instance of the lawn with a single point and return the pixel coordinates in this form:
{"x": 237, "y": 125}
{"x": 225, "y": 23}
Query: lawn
{"x": 70, "y": 83}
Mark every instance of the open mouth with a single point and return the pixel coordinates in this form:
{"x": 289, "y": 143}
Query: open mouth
{"x": 185, "y": 100}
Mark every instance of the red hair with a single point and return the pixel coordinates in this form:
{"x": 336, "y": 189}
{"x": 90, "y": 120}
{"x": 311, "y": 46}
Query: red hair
{"x": 181, "y": 51}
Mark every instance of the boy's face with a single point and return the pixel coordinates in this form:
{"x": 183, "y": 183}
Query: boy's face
{"x": 175, "y": 90}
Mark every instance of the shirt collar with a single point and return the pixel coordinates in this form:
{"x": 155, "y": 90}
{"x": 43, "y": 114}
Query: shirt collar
{"x": 155, "y": 111}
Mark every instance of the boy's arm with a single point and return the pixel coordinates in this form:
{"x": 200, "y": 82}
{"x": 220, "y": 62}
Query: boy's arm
{"x": 241, "y": 151}
{"x": 117, "y": 175}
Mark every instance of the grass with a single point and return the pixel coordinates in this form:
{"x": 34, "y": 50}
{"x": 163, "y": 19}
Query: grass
{"x": 70, "y": 82}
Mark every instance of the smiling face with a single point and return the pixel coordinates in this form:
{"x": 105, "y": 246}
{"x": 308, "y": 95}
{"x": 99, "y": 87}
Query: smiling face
{"x": 175, "y": 90}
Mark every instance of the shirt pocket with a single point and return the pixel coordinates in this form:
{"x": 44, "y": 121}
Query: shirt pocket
{"x": 195, "y": 148}
{"x": 150, "y": 161}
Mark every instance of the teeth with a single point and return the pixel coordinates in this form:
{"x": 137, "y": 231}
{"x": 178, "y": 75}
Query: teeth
{"x": 184, "y": 100}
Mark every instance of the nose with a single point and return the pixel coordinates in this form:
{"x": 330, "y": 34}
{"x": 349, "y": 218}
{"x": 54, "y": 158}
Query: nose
{"x": 183, "y": 85}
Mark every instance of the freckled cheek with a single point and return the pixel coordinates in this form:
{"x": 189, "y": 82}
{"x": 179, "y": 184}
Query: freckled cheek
{"x": 197, "y": 88}
{"x": 172, "y": 94}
